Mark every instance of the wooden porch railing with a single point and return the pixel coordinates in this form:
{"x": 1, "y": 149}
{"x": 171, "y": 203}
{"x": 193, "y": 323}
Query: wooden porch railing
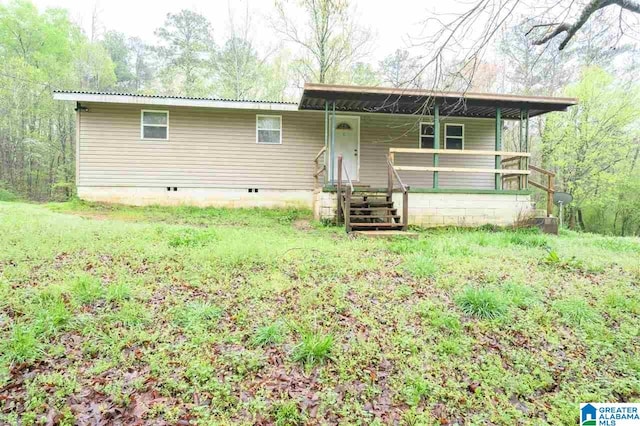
{"x": 319, "y": 168}
{"x": 393, "y": 173}
{"x": 458, "y": 152}
{"x": 548, "y": 175}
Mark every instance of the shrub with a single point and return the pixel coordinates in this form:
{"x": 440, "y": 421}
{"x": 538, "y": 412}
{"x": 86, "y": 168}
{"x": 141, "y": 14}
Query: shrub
{"x": 7, "y": 195}
{"x": 482, "y": 303}
{"x": 313, "y": 349}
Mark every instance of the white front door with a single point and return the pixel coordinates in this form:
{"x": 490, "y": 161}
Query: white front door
{"x": 347, "y": 144}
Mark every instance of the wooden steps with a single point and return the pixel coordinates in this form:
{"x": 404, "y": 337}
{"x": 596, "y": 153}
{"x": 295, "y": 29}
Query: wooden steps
{"x": 371, "y": 211}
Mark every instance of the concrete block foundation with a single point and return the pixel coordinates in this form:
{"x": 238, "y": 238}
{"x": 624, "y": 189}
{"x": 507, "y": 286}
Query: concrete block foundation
{"x": 201, "y": 197}
{"x": 448, "y": 209}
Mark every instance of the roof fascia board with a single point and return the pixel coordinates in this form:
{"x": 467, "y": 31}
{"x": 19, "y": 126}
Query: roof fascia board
{"x": 147, "y": 100}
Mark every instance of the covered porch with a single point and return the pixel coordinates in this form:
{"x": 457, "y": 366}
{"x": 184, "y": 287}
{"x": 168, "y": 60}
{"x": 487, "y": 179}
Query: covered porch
{"x": 439, "y": 156}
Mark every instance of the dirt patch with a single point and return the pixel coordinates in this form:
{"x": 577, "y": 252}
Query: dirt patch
{"x": 302, "y": 225}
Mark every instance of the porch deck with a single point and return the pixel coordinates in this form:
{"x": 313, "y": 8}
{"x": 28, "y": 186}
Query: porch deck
{"x": 460, "y": 176}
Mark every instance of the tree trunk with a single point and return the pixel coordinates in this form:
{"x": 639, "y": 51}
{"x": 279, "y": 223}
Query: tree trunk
{"x": 572, "y": 218}
{"x": 581, "y": 220}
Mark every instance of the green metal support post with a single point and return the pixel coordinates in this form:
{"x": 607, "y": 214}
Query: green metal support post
{"x": 326, "y": 144}
{"x": 332, "y": 123}
{"x": 498, "y": 147}
{"x": 521, "y": 149}
{"x": 526, "y": 149}
{"x": 436, "y": 141}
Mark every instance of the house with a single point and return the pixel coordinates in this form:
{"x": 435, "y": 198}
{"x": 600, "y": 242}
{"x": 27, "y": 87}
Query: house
{"x": 588, "y": 415}
{"x": 375, "y": 158}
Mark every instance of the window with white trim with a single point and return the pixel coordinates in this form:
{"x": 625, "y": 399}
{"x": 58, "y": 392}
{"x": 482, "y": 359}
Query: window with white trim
{"x": 453, "y": 136}
{"x": 269, "y": 129}
{"x": 154, "y": 124}
{"x": 427, "y": 133}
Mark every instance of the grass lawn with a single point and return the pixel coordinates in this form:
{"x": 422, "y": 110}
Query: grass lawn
{"x": 214, "y": 316}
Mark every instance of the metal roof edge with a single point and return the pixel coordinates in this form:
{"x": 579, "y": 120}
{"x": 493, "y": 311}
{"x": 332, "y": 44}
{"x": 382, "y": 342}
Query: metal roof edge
{"x": 141, "y": 99}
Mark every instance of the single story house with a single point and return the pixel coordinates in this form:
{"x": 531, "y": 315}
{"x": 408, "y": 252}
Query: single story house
{"x": 376, "y": 158}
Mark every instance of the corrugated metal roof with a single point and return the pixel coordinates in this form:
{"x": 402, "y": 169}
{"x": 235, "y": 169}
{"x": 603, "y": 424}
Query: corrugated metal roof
{"x": 412, "y": 101}
{"x": 338, "y": 88}
{"x": 187, "y": 98}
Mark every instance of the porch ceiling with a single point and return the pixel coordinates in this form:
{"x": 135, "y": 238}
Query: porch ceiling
{"x": 417, "y": 101}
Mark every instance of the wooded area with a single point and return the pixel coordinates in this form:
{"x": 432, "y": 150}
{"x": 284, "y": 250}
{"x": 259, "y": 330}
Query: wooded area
{"x": 594, "y": 148}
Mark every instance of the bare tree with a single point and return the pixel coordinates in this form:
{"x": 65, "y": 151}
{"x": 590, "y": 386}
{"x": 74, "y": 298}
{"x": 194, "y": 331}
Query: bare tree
{"x": 96, "y": 26}
{"x": 329, "y": 37}
{"x": 467, "y": 35}
{"x": 399, "y": 68}
{"x": 569, "y": 29}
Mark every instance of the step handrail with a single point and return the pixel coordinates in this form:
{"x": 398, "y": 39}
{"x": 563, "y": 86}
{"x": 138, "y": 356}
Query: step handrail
{"x": 392, "y": 172}
{"x": 343, "y": 211}
{"x": 395, "y": 173}
{"x": 548, "y": 188}
{"x": 319, "y": 169}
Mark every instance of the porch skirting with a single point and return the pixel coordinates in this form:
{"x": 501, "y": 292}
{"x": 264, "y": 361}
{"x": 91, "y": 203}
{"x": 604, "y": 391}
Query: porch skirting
{"x": 200, "y": 197}
{"x": 448, "y": 209}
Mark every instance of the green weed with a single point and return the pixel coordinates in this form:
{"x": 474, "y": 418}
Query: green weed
{"x": 313, "y": 349}
{"x": 271, "y": 334}
{"x": 287, "y": 413}
{"x": 481, "y": 302}
{"x": 415, "y": 389}
{"x": 197, "y": 315}
{"x": 22, "y": 345}
{"x": 191, "y": 237}
{"x": 119, "y": 291}
{"x": 86, "y": 289}
{"x": 420, "y": 266}
{"x": 576, "y": 311}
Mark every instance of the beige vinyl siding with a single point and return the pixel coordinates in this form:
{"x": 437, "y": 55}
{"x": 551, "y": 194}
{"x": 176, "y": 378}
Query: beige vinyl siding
{"x": 380, "y": 132}
{"x": 206, "y": 148}
{"x": 216, "y": 148}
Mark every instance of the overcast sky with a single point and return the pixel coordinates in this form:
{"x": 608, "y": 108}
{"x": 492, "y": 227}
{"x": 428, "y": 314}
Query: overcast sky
{"x": 393, "y": 23}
